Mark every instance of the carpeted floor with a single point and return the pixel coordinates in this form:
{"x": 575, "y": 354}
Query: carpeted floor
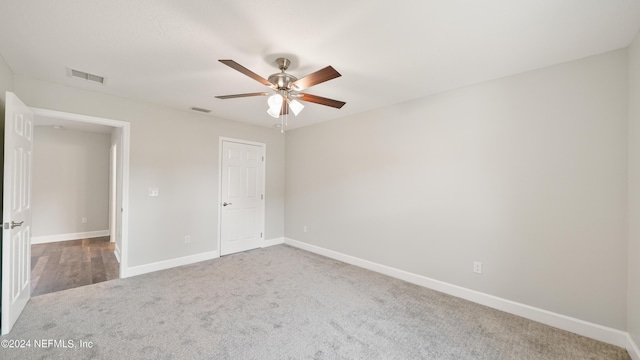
{"x": 280, "y": 303}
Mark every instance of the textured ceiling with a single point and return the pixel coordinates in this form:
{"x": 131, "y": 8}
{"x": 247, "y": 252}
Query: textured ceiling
{"x": 165, "y": 52}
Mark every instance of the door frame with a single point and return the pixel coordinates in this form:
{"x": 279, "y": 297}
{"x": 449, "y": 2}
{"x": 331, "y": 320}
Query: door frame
{"x": 113, "y": 191}
{"x": 221, "y": 140}
{"x": 124, "y": 153}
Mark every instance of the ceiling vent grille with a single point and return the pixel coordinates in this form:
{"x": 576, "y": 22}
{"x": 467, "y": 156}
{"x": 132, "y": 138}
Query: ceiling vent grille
{"x": 86, "y": 76}
{"x": 206, "y": 111}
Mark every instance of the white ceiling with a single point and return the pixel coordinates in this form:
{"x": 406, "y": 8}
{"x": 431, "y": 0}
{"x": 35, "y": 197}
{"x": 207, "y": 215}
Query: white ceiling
{"x": 166, "y": 51}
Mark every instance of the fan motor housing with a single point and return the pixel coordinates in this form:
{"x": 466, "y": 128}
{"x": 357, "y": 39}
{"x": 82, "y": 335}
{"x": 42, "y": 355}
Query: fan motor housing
{"x": 282, "y": 80}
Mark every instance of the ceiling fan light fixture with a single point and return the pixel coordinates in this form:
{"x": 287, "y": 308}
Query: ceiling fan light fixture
{"x": 286, "y": 87}
{"x": 274, "y": 112}
{"x": 275, "y": 100}
{"x": 275, "y": 104}
{"x": 295, "y": 106}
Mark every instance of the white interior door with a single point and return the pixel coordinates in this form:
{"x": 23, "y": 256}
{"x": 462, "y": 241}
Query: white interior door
{"x": 242, "y": 196}
{"x": 16, "y": 230}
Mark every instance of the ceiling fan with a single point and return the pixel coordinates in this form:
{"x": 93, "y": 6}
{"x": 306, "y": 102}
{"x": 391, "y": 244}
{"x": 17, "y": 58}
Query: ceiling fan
{"x": 287, "y": 88}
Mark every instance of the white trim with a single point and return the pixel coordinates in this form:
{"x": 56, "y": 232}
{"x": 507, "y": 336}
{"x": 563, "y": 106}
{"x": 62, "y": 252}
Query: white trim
{"x": 124, "y": 227}
{"x": 272, "y": 242}
{"x": 168, "y": 264}
{"x": 221, "y": 140}
{"x": 240, "y": 141}
{"x": 632, "y": 348}
{"x": 581, "y": 327}
{"x": 77, "y": 117}
{"x": 126, "y": 135}
{"x": 113, "y": 191}
{"x": 64, "y": 237}
{"x": 116, "y": 252}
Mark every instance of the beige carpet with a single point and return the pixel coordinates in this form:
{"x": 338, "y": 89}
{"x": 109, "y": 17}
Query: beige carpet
{"x": 280, "y": 303}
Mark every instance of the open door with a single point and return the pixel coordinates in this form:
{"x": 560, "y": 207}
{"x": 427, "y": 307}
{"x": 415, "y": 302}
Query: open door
{"x": 16, "y": 211}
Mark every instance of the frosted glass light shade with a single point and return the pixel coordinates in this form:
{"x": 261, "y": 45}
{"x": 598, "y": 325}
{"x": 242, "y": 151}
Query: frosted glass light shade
{"x": 275, "y": 104}
{"x": 295, "y": 106}
{"x": 273, "y": 111}
{"x": 275, "y": 100}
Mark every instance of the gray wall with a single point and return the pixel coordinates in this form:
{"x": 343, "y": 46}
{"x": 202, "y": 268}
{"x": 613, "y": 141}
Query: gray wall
{"x": 633, "y": 308}
{"x": 176, "y": 151}
{"x": 70, "y": 181}
{"x": 527, "y": 174}
{"x": 6, "y": 83}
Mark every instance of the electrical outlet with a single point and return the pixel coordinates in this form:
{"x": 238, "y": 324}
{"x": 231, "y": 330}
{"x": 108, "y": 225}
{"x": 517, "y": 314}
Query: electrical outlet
{"x": 187, "y": 239}
{"x": 84, "y": 220}
{"x": 304, "y": 228}
{"x": 477, "y": 267}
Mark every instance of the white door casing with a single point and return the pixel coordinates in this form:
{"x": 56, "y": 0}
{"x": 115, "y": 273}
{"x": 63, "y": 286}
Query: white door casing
{"x": 242, "y": 181}
{"x": 16, "y": 232}
{"x": 113, "y": 192}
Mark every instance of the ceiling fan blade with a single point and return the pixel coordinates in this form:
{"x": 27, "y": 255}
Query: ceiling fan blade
{"x": 242, "y": 95}
{"x": 315, "y": 78}
{"x": 234, "y": 65}
{"x": 321, "y": 100}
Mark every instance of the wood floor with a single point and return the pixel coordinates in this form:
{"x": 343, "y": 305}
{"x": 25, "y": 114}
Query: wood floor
{"x": 69, "y": 264}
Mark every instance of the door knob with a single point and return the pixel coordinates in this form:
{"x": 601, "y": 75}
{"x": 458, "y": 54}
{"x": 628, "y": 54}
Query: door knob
{"x": 15, "y": 224}
{"x": 225, "y": 203}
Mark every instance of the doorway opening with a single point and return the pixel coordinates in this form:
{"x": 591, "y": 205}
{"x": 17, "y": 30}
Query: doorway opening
{"x": 96, "y": 245}
{"x": 73, "y": 205}
{"x": 17, "y": 185}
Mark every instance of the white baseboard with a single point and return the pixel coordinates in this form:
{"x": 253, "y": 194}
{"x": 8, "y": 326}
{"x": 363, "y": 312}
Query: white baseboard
{"x": 632, "y": 348}
{"x": 167, "y": 264}
{"x": 272, "y": 242}
{"x": 577, "y": 326}
{"x": 116, "y": 252}
{"x": 185, "y": 260}
{"x": 64, "y": 237}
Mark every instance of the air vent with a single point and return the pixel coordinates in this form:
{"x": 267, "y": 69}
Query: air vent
{"x": 86, "y": 76}
{"x": 206, "y": 111}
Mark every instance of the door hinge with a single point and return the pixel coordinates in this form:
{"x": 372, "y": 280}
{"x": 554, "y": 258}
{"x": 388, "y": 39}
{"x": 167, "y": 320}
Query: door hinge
{"x": 263, "y": 159}
{"x": 261, "y": 235}
{"x": 261, "y": 196}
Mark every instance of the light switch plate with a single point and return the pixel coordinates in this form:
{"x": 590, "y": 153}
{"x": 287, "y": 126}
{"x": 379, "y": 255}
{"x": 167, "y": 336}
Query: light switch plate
{"x": 154, "y": 191}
